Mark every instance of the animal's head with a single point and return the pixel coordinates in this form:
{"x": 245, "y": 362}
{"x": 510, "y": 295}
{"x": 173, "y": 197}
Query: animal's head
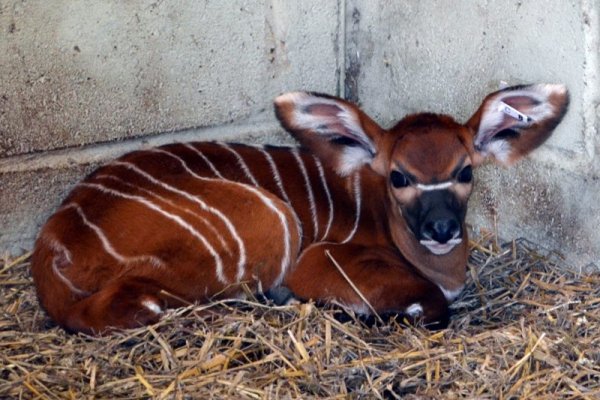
{"x": 426, "y": 159}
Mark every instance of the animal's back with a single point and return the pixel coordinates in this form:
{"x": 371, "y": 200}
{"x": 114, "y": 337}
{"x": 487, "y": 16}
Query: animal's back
{"x": 170, "y": 216}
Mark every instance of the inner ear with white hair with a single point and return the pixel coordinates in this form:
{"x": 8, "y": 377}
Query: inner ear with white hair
{"x": 512, "y": 122}
{"x": 334, "y": 129}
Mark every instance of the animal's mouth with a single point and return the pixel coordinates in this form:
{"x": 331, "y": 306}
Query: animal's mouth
{"x": 438, "y": 248}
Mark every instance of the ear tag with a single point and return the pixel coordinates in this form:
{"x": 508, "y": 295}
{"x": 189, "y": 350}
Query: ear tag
{"x": 513, "y": 112}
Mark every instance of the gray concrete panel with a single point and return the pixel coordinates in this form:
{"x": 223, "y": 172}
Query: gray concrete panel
{"x": 75, "y": 72}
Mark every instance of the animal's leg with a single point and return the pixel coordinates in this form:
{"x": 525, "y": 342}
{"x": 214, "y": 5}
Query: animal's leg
{"x": 127, "y": 302}
{"x": 388, "y": 283}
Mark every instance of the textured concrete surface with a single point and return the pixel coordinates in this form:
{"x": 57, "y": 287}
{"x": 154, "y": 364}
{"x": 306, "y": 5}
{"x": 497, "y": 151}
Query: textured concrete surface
{"x": 82, "y": 82}
{"x": 75, "y": 72}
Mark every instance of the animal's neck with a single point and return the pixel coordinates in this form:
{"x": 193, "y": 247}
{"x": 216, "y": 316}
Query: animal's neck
{"x": 448, "y": 271}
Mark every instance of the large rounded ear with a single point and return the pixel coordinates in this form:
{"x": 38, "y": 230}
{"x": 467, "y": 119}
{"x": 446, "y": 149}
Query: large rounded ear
{"x": 334, "y": 129}
{"x": 512, "y": 122}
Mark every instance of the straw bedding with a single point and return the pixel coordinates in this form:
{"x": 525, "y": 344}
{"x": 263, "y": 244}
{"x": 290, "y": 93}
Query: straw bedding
{"x": 524, "y": 327}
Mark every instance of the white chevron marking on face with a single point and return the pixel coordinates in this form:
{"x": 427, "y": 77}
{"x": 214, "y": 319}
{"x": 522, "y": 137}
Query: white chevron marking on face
{"x": 436, "y": 186}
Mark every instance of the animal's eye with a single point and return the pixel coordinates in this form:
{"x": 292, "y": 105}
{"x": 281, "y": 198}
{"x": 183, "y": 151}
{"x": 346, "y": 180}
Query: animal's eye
{"x": 466, "y": 175}
{"x": 398, "y": 179}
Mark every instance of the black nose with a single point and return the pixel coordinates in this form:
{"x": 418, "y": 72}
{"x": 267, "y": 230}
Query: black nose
{"x": 441, "y": 230}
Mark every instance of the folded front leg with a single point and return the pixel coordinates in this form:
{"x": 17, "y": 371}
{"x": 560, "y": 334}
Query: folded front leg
{"x": 389, "y": 284}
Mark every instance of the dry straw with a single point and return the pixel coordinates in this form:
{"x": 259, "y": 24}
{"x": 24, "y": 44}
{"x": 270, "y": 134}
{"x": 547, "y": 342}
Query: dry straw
{"x": 525, "y": 327}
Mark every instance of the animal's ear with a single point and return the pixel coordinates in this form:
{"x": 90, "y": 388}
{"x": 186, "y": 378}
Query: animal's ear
{"x": 512, "y": 122}
{"x": 336, "y": 130}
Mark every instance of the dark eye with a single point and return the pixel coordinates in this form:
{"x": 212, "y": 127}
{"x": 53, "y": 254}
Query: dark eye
{"x": 466, "y": 175}
{"x": 398, "y": 179}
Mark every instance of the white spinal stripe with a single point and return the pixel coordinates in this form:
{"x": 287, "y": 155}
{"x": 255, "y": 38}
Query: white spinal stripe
{"x": 279, "y": 182}
{"x": 58, "y": 247}
{"x": 241, "y": 163}
{"x": 436, "y": 186}
{"x": 286, "y": 259}
{"x": 206, "y": 160}
{"x": 195, "y": 199}
{"x": 142, "y": 200}
{"x": 311, "y": 196}
{"x": 357, "y": 198}
{"x": 328, "y": 194}
{"x": 186, "y": 210}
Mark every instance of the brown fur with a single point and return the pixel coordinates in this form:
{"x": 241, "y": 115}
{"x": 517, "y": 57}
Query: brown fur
{"x": 136, "y": 235}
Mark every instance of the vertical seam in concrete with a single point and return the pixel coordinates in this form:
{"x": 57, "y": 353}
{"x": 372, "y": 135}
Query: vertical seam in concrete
{"x": 341, "y": 49}
{"x": 352, "y": 53}
{"x": 591, "y": 89}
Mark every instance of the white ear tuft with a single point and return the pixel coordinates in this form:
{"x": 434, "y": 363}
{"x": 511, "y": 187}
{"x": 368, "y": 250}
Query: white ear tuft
{"x": 352, "y": 158}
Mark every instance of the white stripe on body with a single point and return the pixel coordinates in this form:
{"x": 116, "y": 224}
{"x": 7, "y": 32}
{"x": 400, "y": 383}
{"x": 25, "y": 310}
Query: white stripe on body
{"x": 206, "y": 160}
{"x": 311, "y": 196}
{"x": 275, "y": 172}
{"x": 241, "y": 163}
{"x": 142, "y": 200}
{"x": 196, "y": 199}
{"x": 358, "y": 200}
{"x": 328, "y": 194}
{"x": 107, "y": 245}
{"x": 210, "y": 226}
{"x": 286, "y": 259}
{"x": 58, "y": 247}
{"x": 279, "y": 182}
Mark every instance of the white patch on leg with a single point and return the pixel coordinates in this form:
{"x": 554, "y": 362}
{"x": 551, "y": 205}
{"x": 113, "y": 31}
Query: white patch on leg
{"x": 414, "y": 310}
{"x": 152, "y": 306}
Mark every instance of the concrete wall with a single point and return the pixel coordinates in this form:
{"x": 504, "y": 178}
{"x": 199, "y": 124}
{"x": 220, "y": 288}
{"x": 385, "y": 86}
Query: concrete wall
{"x": 446, "y": 55}
{"x": 81, "y": 82}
